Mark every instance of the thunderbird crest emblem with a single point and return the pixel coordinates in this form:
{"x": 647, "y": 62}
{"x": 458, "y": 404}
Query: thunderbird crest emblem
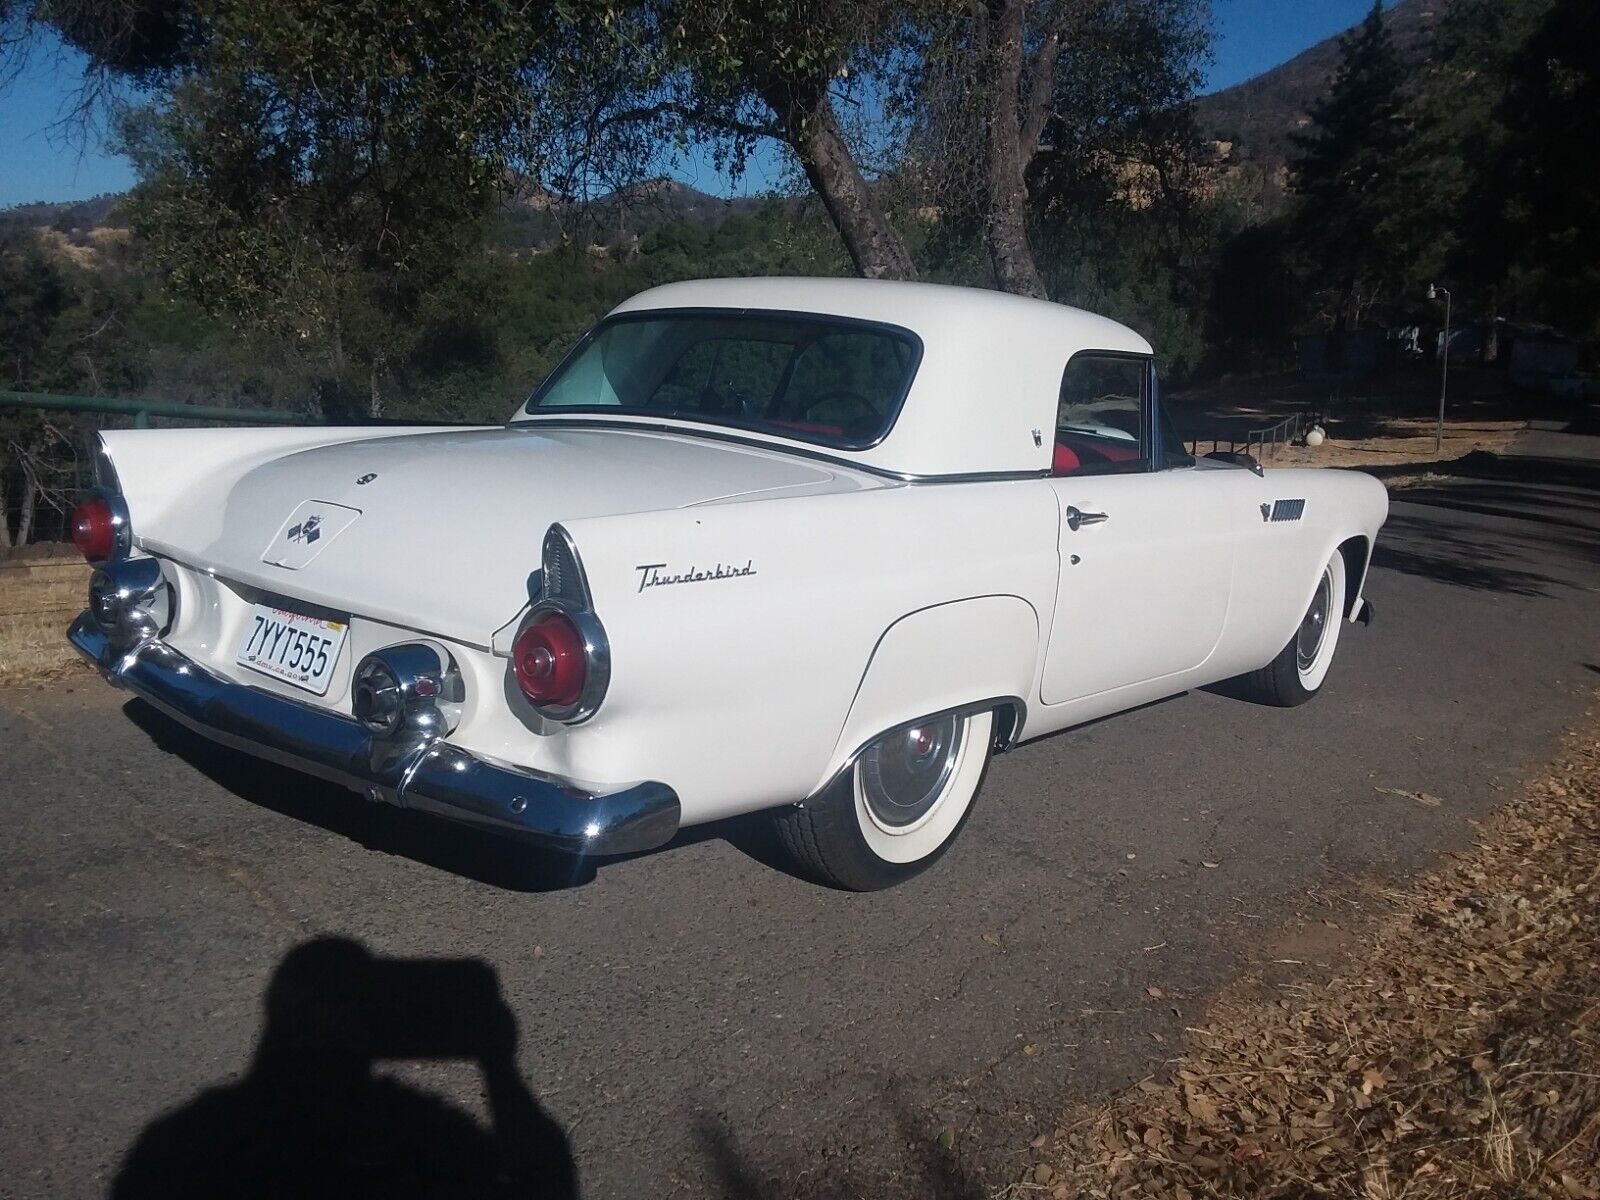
{"x": 307, "y": 531}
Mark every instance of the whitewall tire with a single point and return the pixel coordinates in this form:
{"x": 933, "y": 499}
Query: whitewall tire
{"x": 897, "y": 808}
{"x": 1298, "y": 672}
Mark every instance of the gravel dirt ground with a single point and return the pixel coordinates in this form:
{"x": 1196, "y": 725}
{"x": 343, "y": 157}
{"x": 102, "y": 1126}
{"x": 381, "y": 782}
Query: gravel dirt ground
{"x": 697, "y": 1022}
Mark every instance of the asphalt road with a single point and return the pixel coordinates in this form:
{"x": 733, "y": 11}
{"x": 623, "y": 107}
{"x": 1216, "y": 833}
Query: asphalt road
{"x": 697, "y": 1021}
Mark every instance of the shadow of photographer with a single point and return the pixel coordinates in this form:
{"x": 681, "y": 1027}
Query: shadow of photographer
{"x": 312, "y": 1119}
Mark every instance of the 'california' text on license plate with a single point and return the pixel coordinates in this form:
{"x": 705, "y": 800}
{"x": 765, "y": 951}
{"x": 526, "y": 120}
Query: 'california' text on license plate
{"x": 292, "y": 647}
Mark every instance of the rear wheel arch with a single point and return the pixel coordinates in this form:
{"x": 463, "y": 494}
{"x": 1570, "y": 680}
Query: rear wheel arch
{"x": 945, "y": 657}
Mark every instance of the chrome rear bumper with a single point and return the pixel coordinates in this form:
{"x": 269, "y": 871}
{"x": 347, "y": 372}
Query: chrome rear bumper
{"x": 437, "y": 777}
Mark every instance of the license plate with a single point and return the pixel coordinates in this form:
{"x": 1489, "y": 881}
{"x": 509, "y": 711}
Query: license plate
{"x": 292, "y": 647}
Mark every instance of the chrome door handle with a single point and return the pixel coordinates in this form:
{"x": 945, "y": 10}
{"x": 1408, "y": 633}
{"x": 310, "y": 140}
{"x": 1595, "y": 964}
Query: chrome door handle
{"x": 1076, "y": 518}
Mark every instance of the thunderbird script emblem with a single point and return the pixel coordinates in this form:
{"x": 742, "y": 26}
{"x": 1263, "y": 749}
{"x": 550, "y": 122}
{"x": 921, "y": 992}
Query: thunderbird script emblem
{"x": 657, "y": 575}
{"x": 307, "y": 531}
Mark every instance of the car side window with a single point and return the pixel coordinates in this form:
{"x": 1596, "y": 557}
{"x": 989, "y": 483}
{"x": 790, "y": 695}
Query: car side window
{"x": 1102, "y": 416}
{"x": 1173, "y": 452}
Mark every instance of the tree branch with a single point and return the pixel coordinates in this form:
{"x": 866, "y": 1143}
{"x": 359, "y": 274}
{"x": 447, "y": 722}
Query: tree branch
{"x": 691, "y": 114}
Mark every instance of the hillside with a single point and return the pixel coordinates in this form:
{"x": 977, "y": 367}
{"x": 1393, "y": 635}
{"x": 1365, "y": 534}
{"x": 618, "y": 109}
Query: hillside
{"x": 1253, "y": 120}
{"x": 68, "y": 215}
{"x": 1250, "y": 124}
{"x": 532, "y": 219}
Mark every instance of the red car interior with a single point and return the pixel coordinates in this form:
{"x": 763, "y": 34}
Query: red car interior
{"x": 1074, "y": 454}
{"x": 810, "y": 427}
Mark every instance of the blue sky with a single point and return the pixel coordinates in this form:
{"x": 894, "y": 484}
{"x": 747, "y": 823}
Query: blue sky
{"x": 40, "y": 161}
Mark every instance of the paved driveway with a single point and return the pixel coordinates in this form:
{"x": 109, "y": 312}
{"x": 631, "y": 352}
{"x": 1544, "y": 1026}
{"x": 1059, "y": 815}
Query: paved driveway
{"x": 697, "y": 1021}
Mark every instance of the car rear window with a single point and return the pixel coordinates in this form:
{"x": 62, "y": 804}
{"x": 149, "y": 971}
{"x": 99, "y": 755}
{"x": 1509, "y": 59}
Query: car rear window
{"x": 827, "y": 380}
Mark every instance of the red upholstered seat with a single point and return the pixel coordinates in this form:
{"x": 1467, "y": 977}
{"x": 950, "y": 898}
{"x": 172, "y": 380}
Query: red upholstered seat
{"x": 1064, "y": 461}
{"x": 1074, "y": 454}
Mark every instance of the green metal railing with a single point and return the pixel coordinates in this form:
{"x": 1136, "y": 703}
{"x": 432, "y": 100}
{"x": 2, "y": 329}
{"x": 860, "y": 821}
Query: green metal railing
{"x": 142, "y": 410}
{"x": 67, "y": 468}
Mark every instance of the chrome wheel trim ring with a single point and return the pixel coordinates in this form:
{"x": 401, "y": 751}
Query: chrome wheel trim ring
{"x": 902, "y": 777}
{"x": 1314, "y": 625}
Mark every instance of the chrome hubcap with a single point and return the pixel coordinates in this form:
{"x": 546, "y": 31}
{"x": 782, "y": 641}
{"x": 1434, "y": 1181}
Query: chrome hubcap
{"x": 1314, "y": 625}
{"x": 903, "y": 774}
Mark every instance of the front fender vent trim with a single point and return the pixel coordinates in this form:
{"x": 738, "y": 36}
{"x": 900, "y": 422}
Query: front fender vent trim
{"x": 1288, "y": 510}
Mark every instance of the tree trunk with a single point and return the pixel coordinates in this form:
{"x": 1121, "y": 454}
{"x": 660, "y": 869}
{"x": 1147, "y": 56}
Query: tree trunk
{"x": 30, "y": 502}
{"x": 1347, "y": 295}
{"x": 1006, "y": 223}
{"x": 1489, "y": 352}
{"x": 375, "y": 393}
{"x": 812, "y": 130}
{"x": 5, "y": 511}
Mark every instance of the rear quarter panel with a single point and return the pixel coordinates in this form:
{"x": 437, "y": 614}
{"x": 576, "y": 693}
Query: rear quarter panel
{"x": 738, "y": 691}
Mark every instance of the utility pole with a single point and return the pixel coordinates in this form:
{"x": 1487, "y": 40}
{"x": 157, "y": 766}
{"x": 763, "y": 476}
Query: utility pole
{"x": 1434, "y": 292}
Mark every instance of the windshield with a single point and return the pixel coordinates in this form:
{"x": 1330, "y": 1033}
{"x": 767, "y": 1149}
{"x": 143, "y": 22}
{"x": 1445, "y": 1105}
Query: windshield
{"x": 828, "y": 380}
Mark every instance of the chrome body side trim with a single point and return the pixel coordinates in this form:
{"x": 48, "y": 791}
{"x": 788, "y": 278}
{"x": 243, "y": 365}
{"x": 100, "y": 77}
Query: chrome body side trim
{"x": 688, "y": 428}
{"x": 431, "y": 776}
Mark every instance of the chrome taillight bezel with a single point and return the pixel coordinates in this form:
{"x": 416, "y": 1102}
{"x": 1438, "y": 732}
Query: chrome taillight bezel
{"x": 596, "y": 658}
{"x": 564, "y": 590}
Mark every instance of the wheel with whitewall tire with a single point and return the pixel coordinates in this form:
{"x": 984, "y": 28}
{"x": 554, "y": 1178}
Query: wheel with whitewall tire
{"x": 1296, "y": 674}
{"x": 897, "y": 808}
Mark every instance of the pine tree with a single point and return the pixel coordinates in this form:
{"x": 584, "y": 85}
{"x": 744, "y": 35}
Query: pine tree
{"x": 1349, "y": 169}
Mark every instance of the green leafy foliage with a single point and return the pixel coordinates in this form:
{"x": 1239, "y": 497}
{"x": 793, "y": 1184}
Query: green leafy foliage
{"x": 474, "y": 345}
{"x": 1350, "y": 172}
{"x": 318, "y": 172}
{"x": 1518, "y": 87}
{"x": 349, "y": 208}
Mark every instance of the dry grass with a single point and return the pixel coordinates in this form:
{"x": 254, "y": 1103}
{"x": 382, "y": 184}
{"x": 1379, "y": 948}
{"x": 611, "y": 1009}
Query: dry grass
{"x": 40, "y": 593}
{"x": 1402, "y": 441}
{"x": 1455, "y": 1052}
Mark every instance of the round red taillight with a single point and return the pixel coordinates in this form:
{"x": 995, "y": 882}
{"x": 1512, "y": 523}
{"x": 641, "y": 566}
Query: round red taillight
{"x": 94, "y": 530}
{"x": 549, "y": 659}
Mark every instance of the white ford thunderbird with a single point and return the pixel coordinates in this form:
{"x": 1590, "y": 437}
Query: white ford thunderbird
{"x": 813, "y": 546}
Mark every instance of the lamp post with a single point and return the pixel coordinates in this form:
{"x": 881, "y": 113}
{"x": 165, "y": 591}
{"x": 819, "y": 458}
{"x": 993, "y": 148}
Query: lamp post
{"x": 1434, "y": 292}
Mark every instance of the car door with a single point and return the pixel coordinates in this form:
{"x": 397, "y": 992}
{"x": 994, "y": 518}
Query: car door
{"x": 1147, "y": 552}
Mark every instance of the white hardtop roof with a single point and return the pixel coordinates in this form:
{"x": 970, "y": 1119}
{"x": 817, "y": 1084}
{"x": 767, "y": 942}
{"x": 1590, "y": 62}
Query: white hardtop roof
{"x": 922, "y": 308}
{"x": 984, "y": 397}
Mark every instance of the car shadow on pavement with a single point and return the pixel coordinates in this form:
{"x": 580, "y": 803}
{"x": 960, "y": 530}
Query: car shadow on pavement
{"x": 482, "y": 857}
{"x": 311, "y": 1118}
{"x": 499, "y": 862}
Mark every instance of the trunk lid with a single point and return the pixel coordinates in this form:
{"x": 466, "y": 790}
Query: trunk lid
{"x": 439, "y": 531}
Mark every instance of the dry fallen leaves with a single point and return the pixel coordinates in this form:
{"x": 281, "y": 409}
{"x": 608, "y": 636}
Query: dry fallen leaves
{"x": 1455, "y": 1051}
